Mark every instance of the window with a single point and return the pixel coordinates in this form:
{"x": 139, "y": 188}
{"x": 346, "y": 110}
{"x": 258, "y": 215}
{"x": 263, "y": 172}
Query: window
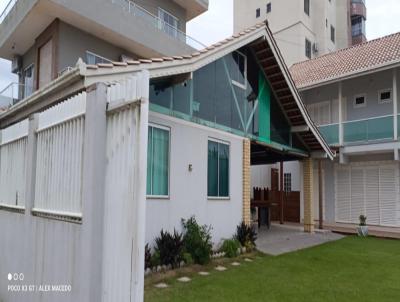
{"x": 28, "y": 80}
{"x": 320, "y": 112}
{"x": 332, "y": 34}
{"x": 158, "y": 161}
{"x": 307, "y": 7}
{"x": 269, "y": 7}
{"x": 287, "y": 182}
{"x": 308, "y": 48}
{"x": 258, "y": 12}
{"x": 93, "y": 59}
{"x": 239, "y": 73}
{"x": 168, "y": 22}
{"x": 385, "y": 96}
{"x": 360, "y": 101}
{"x": 218, "y": 169}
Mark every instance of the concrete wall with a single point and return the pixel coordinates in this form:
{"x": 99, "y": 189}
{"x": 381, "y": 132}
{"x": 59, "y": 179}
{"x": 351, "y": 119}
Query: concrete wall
{"x": 188, "y": 190}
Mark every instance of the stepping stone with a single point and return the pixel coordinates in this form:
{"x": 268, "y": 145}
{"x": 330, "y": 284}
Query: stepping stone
{"x": 161, "y": 285}
{"x": 248, "y": 260}
{"x": 184, "y": 279}
{"x": 235, "y": 263}
{"x": 204, "y": 273}
{"x": 220, "y": 268}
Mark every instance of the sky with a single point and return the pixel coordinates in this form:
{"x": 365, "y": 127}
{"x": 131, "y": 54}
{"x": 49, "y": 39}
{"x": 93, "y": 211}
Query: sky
{"x": 383, "y": 18}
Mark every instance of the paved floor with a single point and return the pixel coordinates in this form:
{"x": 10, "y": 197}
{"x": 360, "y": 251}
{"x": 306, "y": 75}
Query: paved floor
{"x": 283, "y": 239}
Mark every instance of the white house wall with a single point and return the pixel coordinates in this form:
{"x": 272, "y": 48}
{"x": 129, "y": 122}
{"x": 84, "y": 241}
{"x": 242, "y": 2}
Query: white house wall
{"x": 188, "y": 190}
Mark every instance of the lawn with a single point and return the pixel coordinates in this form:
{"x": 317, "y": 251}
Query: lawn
{"x": 351, "y": 269}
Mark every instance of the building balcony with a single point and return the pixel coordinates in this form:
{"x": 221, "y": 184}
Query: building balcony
{"x": 12, "y": 94}
{"x": 122, "y": 23}
{"x": 358, "y": 8}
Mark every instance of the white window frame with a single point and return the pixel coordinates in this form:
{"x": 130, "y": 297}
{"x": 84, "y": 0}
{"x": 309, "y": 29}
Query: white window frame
{"x": 161, "y": 25}
{"x": 355, "y": 105}
{"x": 316, "y": 106}
{"x": 380, "y": 101}
{"x": 236, "y": 83}
{"x": 287, "y": 176}
{"x": 166, "y": 128}
{"x": 219, "y": 141}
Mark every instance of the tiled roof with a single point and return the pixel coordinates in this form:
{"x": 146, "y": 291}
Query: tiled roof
{"x": 348, "y": 61}
{"x": 145, "y": 62}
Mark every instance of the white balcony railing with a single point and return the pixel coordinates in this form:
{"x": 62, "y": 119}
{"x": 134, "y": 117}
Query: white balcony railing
{"x": 13, "y": 93}
{"x": 138, "y": 11}
{"x": 7, "y": 9}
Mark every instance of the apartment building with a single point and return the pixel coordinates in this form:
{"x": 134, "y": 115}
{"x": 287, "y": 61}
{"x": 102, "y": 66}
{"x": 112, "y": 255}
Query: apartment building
{"x": 43, "y": 39}
{"x": 305, "y": 29}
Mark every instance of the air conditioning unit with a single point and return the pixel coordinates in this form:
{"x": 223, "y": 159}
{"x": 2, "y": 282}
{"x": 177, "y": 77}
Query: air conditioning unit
{"x": 16, "y": 64}
{"x": 315, "y": 47}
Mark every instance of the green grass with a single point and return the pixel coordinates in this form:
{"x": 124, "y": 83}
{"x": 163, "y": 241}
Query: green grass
{"x": 351, "y": 269}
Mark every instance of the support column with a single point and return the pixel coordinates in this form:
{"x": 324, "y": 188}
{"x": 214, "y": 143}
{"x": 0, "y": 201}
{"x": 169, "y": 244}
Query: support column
{"x": 320, "y": 196}
{"x": 340, "y": 101}
{"x": 281, "y": 192}
{"x": 395, "y": 110}
{"x": 246, "y": 181}
{"x": 308, "y": 194}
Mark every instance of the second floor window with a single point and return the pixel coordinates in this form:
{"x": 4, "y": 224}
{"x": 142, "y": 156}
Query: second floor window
{"x": 308, "y": 48}
{"x": 168, "y": 22}
{"x": 307, "y": 7}
{"x": 332, "y": 34}
{"x": 269, "y": 7}
{"x": 258, "y": 12}
{"x": 28, "y": 80}
{"x": 360, "y": 101}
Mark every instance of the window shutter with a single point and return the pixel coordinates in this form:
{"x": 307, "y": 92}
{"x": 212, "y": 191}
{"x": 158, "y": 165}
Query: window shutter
{"x": 372, "y": 195}
{"x": 388, "y": 195}
{"x": 343, "y": 194}
{"x": 357, "y": 194}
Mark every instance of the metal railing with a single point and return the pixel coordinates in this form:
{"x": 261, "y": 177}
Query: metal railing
{"x": 138, "y": 11}
{"x": 13, "y": 93}
{"x": 7, "y": 9}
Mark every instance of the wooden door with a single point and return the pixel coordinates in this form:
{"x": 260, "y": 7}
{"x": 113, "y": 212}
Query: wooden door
{"x": 274, "y": 179}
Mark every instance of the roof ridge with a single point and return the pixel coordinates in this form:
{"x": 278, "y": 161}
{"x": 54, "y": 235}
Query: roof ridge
{"x": 346, "y": 49}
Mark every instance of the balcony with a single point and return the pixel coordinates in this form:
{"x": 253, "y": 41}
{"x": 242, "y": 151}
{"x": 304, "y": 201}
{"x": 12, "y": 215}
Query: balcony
{"x": 358, "y": 8}
{"x": 368, "y": 130}
{"x": 330, "y": 133}
{"x": 13, "y": 93}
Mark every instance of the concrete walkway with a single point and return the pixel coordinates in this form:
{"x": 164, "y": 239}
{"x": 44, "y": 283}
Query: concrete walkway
{"x": 282, "y": 239}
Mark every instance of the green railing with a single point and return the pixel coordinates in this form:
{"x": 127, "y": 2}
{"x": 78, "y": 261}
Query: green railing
{"x": 330, "y": 133}
{"x": 372, "y": 129}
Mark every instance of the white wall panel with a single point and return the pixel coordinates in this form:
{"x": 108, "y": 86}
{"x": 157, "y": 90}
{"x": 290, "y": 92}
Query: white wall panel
{"x": 59, "y": 157}
{"x": 13, "y": 148}
{"x": 343, "y": 194}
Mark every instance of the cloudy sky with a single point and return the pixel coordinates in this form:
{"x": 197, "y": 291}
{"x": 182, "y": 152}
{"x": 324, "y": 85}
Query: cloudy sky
{"x": 217, "y": 23}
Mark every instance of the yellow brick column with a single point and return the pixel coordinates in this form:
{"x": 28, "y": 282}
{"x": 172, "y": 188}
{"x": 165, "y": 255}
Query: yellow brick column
{"x": 308, "y": 195}
{"x": 246, "y": 182}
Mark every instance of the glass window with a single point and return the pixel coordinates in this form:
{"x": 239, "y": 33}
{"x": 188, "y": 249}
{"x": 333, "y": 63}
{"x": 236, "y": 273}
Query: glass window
{"x": 332, "y": 34}
{"x": 218, "y": 169}
{"x": 308, "y": 49}
{"x": 385, "y": 96}
{"x": 307, "y": 7}
{"x": 168, "y": 22}
{"x": 258, "y": 13}
{"x": 287, "y": 182}
{"x": 269, "y": 7}
{"x": 158, "y": 161}
{"x": 359, "y": 101}
{"x": 28, "y": 80}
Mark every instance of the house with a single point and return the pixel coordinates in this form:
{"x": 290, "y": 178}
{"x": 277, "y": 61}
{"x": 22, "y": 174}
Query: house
{"x": 352, "y": 96}
{"x": 305, "y": 29}
{"x": 199, "y": 121}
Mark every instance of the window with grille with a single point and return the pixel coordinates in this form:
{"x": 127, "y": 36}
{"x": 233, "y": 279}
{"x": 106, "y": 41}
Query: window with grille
{"x": 287, "y": 182}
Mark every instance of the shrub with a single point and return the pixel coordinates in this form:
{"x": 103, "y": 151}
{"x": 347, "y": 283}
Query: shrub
{"x": 246, "y": 235}
{"x": 197, "y": 240}
{"x": 363, "y": 220}
{"x": 147, "y": 256}
{"x": 170, "y": 248}
{"x": 155, "y": 259}
{"x": 187, "y": 258}
{"x": 230, "y": 247}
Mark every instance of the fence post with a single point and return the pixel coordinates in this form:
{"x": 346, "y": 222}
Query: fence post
{"x": 93, "y": 180}
{"x": 31, "y": 162}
